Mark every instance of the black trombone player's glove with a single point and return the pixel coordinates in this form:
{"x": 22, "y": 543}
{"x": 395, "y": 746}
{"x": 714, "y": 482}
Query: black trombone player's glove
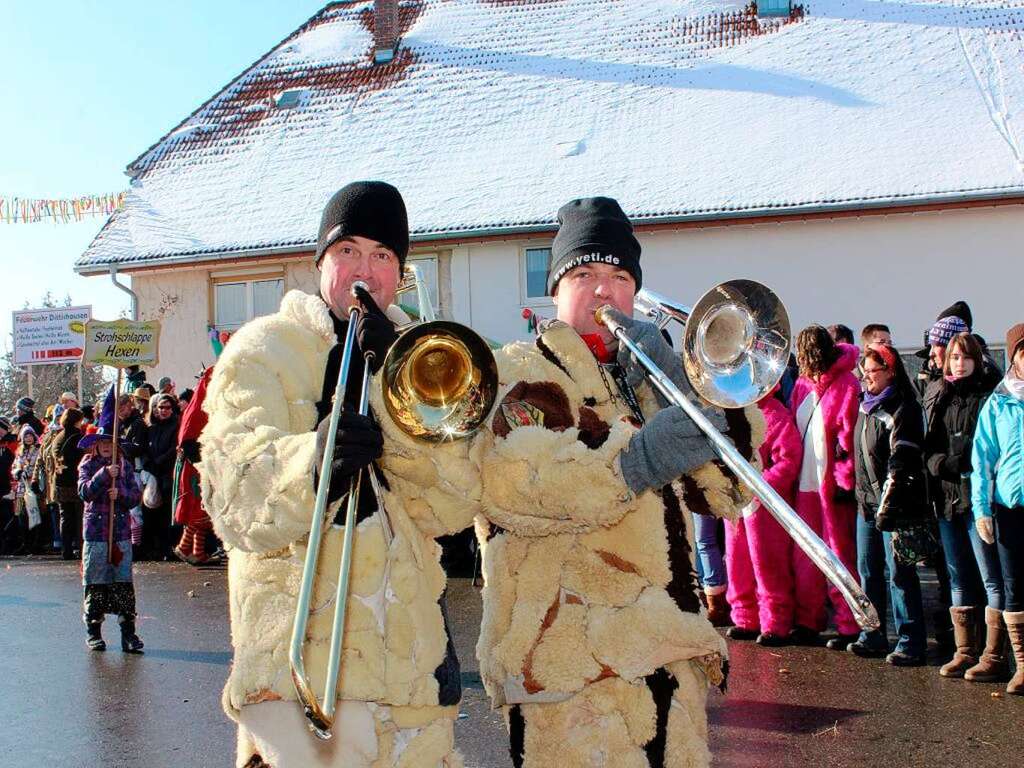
{"x": 374, "y": 331}
{"x": 359, "y": 443}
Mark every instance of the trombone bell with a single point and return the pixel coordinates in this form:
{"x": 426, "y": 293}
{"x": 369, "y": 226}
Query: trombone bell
{"x": 439, "y": 381}
{"x": 736, "y": 343}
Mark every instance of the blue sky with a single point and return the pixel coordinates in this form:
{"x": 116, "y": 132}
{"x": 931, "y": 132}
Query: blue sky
{"x": 86, "y": 88}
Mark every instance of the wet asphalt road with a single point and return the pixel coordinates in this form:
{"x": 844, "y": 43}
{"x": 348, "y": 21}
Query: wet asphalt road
{"x": 61, "y": 705}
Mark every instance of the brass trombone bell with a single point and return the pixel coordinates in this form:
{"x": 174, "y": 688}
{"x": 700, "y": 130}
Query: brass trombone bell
{"x": 439, "y": 381}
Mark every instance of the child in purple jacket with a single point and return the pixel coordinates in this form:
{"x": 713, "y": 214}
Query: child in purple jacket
{"x": 106, "y": 573}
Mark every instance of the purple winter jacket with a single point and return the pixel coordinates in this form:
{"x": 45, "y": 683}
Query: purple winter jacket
{"x": 93, "y": 484}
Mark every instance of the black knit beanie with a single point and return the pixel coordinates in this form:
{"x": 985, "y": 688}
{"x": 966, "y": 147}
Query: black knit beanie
{"x": 370, "y": 209}
{"x": 961, "y": 310}
{"x": 593, "y": 230}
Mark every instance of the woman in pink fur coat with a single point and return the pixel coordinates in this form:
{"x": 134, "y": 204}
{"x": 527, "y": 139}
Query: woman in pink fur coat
{"x": 825, "y": 401}
{"x": 758, "y": 550}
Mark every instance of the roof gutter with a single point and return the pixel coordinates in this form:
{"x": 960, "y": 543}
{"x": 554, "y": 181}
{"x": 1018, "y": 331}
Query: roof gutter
{"x": 134, "y": 296}
{"x": 880, "y": 206}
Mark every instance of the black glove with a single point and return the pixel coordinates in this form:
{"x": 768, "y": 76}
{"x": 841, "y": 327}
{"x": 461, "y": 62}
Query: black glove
{"x": 359, "y": 443}
{"x": 34, "y": 486}
{"x": 374, "y": 331}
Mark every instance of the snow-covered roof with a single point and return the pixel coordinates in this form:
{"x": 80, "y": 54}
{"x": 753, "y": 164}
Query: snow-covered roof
{"x": 494, "y": 113}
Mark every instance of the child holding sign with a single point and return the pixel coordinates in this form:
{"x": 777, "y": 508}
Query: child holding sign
{"x": 107, "y": 488}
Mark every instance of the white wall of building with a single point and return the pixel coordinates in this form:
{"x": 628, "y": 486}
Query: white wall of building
{"x": 897, "y": 269}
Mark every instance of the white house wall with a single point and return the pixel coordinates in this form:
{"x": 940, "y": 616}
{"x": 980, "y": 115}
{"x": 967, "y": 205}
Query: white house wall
{"x": 180, "y": 301}
{"x": 899, "y": 269}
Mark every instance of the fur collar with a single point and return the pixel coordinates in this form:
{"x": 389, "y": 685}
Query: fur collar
{"x": 311, "y": 311}
{"x": 848, "y": 354}
{"x": 575, "y": 357}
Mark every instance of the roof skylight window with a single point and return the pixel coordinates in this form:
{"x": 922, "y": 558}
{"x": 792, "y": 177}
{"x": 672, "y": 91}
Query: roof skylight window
{"x": 291, "y": 98}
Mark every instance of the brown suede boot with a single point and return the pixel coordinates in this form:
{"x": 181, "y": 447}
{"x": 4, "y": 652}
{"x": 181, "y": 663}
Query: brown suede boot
{"x": 1015, "y": 628}
{"x": 993, "y": 666}
{"x": 965, "y": 636}
{"x": 719, "y": 612}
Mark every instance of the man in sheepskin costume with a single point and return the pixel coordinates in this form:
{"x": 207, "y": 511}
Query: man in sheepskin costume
{"x": 593, "y": 641}
{"x": 268, "y": 404}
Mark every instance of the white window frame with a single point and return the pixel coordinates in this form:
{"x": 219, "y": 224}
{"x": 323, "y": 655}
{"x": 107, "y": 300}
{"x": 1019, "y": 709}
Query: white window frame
{"x": 524, "y": 299}
{"x": 249, "y": 281}
{"x": 433, "y": 279}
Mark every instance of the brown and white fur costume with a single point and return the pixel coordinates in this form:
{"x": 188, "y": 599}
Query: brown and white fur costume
{"x": 593, "y": 641}
{"x": 258, "y": 454}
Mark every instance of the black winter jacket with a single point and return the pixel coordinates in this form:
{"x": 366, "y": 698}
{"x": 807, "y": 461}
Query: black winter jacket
{"x": 950, "y": 439}
{"x": 6, "y": 463}
{"x": 162, "y": 453}
{"x": 67, "y": 456}
{"x": 891, "y": 439}
{"x": 133, "y": 437}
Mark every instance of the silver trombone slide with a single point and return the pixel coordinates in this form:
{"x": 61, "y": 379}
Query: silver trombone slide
{"x": 808, "y": 541}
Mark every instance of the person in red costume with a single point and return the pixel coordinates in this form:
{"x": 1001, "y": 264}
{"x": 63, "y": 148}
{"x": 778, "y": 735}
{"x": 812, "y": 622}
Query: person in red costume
{"x": 188, "y": 505}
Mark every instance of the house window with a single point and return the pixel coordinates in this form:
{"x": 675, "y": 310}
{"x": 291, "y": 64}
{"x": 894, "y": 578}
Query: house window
{"x": 537, "y": 267}
{"x": 236, "y": 302}
{"x": 773, "y": 7}
{"x": 428, "y": 268}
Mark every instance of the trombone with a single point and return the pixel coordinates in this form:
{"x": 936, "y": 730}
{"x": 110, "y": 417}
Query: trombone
{"x": 439, "y": 381}
{"x": 735, "y": 346}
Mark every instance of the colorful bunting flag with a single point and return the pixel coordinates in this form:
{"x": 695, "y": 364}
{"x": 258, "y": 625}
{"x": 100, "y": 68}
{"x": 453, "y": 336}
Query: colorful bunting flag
{"x": 23, "y": 210}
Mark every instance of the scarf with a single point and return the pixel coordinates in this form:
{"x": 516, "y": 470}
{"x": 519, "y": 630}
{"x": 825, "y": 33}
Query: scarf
{"x": 870, "y": 403}
{"x": 1014, "y": 386}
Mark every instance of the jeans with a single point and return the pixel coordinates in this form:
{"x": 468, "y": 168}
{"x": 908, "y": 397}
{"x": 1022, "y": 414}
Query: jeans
{"x": 960, "y": 543}
{"x": 988, "y": 561}
{"x": 874, "y": 555}
{"x": 710, "y": 563}
{"x": 1009, "y": 524}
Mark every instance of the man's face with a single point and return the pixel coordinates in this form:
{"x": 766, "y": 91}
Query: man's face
{"x": 937, "y": 357}
{"x": 1018, "y": 363}
{"x": 880, "y": 337}
{"x": 358, "y": 258}
{"x": 587, "y": 288}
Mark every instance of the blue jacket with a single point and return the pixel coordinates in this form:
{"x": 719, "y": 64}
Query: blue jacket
{"x": 998, "y": 454}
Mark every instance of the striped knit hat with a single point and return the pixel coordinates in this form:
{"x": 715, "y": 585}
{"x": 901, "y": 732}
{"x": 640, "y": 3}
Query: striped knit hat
{"x": 945, "y": 329}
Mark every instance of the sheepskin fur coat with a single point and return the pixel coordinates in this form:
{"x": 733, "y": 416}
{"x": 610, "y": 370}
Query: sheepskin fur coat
{"x": 258, "y": 451}
{"x": 590, "y": 593}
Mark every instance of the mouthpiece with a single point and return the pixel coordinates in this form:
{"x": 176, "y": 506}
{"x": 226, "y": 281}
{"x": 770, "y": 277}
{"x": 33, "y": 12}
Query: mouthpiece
{"x": 609, "y": 317}
{"x": 359, "y": 284}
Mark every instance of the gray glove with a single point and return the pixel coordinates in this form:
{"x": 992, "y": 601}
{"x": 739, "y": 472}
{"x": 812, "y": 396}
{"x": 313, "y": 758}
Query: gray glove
{"x": 651, "y": 340}
{"x": 667, "y": 447}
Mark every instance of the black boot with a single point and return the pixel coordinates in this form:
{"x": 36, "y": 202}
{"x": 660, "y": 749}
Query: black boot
{"x": 95, "y": 636}
{"x": 130, "y": 642}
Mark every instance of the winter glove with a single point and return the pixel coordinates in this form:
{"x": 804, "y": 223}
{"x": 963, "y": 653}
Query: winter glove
{"x": 668, "y": 446}
{"x": 651, "y": 341}
{"x": 34, "y": 486}
{"x": 986, "y": 529}
{"x": 374, "y": 331}
{"x": 359, "y": 443}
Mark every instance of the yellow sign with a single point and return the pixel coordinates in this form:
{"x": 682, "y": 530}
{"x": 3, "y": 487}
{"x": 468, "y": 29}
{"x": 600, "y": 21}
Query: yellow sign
{"x": 122, "y": 343}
